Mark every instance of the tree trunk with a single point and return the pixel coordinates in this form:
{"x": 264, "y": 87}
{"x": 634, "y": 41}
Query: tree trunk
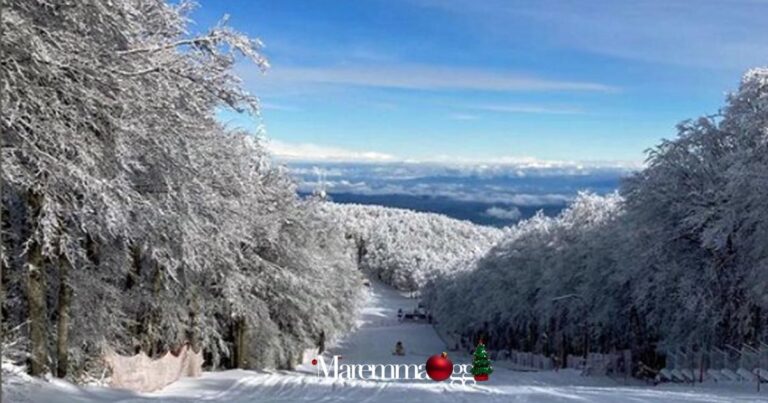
{"x": 2, "y": 269}
{"x": 152, "y": 320}
{"x": 133, "y": 279}
{"x": 2, "y": 228}
{"x": 240, "y": 343}
{"x": 564, "y": 351}
{"x": 62, "y": 330}
{"x": 3, "y": 221}
{"x": 36, "y": 295}
{"x": 134, "y": 274}
{"x": 37, "y": 316}
{"x": 360, "y": 251}
{"x": 321, "y": 342}
{"x": 193, "y": 334}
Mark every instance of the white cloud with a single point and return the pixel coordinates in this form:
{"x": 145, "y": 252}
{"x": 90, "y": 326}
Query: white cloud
{"x": 710, "y": 34}
{"x": 462, "y": 116}
{"x": 428, "y": 77}
{"x": 503, "y": 186}
{"x": 524, "y": 108}
{"x": 511, "y": 214}
{"x": 525, "y": 162}
{"x": 278, "y": 107}
{"x": 314, "y": 152}
{"x": 539, "y": 199}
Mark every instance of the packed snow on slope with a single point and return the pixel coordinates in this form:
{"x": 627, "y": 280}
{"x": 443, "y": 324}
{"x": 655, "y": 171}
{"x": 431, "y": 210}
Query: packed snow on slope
{"x": 373, "y": 343}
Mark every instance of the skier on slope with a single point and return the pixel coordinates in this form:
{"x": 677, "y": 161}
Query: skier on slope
{"x": 399, "y": 349}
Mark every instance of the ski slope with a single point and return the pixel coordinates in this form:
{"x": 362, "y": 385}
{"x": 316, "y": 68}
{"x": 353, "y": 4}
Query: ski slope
{"x": 373, "y": 343}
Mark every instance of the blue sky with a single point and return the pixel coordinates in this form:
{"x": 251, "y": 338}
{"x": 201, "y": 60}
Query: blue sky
{"x": 485, "y": 81}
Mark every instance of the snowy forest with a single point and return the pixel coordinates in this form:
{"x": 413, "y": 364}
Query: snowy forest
{"x": 677, "y": 259}
{"x": 405, "y": 249}
{"x": 133, "y": 220}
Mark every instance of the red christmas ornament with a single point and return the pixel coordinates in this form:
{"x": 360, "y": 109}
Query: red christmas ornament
{"x": 439, "y": 367}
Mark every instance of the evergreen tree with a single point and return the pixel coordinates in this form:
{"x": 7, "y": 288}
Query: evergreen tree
{"x": 481, "y": 364}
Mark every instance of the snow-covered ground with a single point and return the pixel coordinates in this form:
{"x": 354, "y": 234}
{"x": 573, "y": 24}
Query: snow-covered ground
{"x": 373, "y": 343}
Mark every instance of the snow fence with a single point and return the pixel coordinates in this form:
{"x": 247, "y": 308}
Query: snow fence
{"x": 140, "y": 373}
{"x": 618, "y": 363}
{"x": 744, "y": 364}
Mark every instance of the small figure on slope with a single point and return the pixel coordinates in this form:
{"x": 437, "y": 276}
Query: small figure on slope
{"x": 399, "y": 349}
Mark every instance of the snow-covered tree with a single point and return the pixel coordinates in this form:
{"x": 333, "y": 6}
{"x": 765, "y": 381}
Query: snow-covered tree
{"x": 538, "y": 280}
{"x": 132, "y": 219}
{"x": 699, "y": 208}
{"x": 678, "y": 260}
{"x": 406, "y": 248}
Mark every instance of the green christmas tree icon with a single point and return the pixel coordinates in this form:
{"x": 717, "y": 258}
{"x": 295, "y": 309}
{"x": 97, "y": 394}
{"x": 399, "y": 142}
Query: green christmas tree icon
{"x": 481, "y": 365}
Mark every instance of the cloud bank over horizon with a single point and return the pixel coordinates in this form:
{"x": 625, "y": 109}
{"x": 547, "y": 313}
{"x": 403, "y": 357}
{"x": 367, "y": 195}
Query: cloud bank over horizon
{"x": 309, "y": 152}
{"x": 314, "y": 152}
{"x": 496, "y": 195}
{"x": 506, "y": 184}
